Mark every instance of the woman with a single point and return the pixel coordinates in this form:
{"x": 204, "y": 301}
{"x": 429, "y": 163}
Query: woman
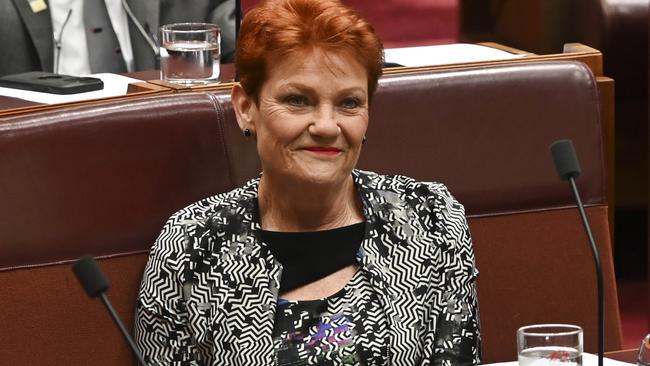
{"x": 314, "y": 262}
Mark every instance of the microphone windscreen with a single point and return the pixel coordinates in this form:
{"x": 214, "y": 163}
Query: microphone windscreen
{"x": 565, "y": 159}
{"x": 90, "y": 275}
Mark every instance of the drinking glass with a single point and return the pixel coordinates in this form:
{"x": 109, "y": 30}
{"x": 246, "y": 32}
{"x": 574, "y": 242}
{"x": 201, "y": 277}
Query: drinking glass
{"x": 190, "y": 53}
{"x": 550, "y": 345}
{"x": 644, "y": 352}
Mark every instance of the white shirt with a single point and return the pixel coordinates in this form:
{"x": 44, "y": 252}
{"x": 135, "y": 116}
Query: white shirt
{"x": 73, "y": 59}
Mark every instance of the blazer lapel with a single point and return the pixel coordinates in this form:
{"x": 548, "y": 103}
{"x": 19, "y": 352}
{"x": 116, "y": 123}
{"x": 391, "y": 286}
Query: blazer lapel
{"x": 148, "y": 14}
{"x": 253, "y": 291}
{"x": 39, "y": 26}
{"x": 383, "y": 212}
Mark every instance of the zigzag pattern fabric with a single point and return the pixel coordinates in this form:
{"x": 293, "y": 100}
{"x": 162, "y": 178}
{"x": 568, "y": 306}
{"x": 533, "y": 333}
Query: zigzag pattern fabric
{"x": 344, "y": 329}
{"x": 210, "y": 289}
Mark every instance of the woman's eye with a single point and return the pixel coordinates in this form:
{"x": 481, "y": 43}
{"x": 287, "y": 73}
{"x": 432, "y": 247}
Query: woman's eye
{"x": 296, "y": 100}
{"x": 350, "y": 103}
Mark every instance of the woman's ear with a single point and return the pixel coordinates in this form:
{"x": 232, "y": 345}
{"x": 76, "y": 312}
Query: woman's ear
{"x": 244, "y": 107}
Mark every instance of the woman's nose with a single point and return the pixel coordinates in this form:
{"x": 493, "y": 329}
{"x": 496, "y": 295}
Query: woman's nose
{"x": 325, "y": 124}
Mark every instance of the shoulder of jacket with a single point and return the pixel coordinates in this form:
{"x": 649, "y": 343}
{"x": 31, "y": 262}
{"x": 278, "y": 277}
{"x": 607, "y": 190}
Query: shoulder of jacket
{"x": 382, "y": 182}
{"x": 405, "y": 185}
{"x": 220, "y": 204}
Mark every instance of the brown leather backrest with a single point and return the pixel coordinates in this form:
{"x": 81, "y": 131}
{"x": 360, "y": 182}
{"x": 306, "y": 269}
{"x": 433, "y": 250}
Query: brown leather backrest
{"x": 103, "y": 178}
{"x": 486, "y": 132}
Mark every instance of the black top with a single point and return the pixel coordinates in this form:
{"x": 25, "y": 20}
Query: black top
{"x": 310, "y": 256}
{"x": 308, "y": 332}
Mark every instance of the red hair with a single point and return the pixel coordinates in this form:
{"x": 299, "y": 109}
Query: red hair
{"x": 279, "y": 28}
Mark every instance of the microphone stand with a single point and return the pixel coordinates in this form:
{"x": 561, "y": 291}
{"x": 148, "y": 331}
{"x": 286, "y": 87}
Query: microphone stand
{"x": 95, "y": 284}
{"x": 125, "y": 333}
{"x": 599, "y": 272}
{"x": 568, "y": 168}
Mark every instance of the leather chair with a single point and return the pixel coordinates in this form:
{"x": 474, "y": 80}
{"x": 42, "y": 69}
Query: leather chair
{"x": 103, "y": 178}
{"x": 98, "y": 179}
{"x": 486, "y": 134}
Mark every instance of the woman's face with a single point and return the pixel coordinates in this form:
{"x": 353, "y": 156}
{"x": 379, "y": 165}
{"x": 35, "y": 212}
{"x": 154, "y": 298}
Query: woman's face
{"x": 311, "y": 118}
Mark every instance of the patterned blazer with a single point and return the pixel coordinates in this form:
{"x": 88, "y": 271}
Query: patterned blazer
{"x": 210, "y": 287}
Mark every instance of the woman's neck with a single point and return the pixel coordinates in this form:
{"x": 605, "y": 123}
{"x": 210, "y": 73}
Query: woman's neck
{"x": 307, "y": 207}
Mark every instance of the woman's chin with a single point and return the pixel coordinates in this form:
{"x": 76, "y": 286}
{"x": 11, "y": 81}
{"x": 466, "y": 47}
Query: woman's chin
{"x": 313, "y": 172}
{"x": 324, "y": 177}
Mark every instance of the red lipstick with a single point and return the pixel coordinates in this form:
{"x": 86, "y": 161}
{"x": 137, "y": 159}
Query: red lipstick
{"x": 323, "y": 150}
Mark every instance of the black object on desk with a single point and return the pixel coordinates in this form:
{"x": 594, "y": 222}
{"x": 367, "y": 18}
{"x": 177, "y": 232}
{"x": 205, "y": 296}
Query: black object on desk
{"x": 51, "y": 83}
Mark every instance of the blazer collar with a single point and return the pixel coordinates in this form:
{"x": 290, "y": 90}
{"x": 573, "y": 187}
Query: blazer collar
{"x": 148, "y": 13}
{"x": 372, "y": 256}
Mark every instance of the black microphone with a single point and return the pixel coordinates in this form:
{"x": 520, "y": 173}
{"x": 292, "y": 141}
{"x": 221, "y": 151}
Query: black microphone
{"x": 95, "y": 284}
{"x": 568, "y": 168}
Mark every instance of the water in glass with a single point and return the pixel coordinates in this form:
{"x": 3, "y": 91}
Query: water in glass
{"x": 550, "y": 345}
{"x": 190, "y": 62}
{"x": 190, "y": 53}
{"x": 550, "y": 356}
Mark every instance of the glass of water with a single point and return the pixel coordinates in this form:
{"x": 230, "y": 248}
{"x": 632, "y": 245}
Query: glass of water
{"x": 550, "y": 345}
{"x": 190, "y": 53}
{"x": 644, "y": 352}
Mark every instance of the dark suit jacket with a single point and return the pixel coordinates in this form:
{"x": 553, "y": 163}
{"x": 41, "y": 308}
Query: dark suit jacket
{"x": 26, "y": 43}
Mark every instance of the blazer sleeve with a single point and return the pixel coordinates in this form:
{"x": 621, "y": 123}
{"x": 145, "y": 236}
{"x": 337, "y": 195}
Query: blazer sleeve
{"x": 452, "y": 330}
{"x": 163, "y": 330}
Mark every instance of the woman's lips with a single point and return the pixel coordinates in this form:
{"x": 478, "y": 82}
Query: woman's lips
{"x": 323, "y": 150}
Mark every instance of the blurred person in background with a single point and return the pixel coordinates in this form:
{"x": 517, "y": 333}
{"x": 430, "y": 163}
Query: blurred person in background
{"x": 55, "y": 35}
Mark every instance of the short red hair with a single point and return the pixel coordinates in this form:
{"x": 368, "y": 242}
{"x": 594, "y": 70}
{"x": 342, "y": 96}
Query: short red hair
{"x": 279, "y": 28}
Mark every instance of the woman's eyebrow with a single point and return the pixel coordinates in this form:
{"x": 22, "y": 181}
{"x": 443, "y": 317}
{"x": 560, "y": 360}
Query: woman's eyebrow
{"x": 308, "y": 89}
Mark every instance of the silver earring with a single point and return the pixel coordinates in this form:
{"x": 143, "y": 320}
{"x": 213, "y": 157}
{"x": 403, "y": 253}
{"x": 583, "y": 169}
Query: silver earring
{"x": 364, "y": 140}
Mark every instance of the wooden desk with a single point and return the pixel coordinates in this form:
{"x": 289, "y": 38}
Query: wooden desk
{"x": 14, "y": 106}
{"x": 626, "y": 355}
{"x": 150, "y": 85}
{"x": 9, "y": 103}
